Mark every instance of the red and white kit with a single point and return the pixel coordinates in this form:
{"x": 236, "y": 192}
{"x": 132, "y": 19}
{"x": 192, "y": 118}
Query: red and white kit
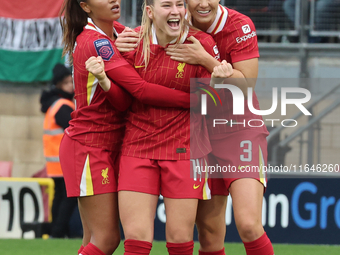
{"x": 159, "y": 138}
{"x": 91, "y": 144}
{"x": 236, "y": 145}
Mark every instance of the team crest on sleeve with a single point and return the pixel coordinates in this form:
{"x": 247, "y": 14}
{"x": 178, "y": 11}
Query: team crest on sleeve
{"x": 216, "y": 52}
{"x": 104, "y": 48}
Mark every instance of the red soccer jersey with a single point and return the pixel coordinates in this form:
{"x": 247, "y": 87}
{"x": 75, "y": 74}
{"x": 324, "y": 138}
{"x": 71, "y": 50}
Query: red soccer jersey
{"x": 95, "y": 122}
{"x": 118, "y": 27}
{"x": 164, "y": 133}
{"x": 235, "y": 36}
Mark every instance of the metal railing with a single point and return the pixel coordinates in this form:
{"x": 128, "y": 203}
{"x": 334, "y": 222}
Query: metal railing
{"x": 311, "y": 126}
{"x": 325, "y": 18}
{"x": 271, "y": 17}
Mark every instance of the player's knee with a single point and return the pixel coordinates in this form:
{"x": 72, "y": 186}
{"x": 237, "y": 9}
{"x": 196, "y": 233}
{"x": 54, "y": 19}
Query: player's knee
{"x": 249, "y": 230}
{"x": 179, "y": 234}
{"x": 138, "y": 233}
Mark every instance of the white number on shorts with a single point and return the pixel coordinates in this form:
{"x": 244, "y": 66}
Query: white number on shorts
{"x": 248, "y": 156}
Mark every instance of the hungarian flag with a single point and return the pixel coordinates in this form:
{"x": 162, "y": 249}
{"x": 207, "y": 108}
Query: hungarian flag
{"x": 30, "y": 39}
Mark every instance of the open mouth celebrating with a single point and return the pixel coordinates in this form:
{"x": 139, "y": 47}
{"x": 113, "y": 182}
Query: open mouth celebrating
{"x": 173, "y": 23}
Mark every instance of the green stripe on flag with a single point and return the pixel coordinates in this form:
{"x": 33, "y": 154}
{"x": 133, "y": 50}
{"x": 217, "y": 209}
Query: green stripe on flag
{"x": 28, "y": 66}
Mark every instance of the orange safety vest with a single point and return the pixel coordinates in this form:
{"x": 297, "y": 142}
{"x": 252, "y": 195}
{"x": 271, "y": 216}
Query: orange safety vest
{"x": 52, "y": 138}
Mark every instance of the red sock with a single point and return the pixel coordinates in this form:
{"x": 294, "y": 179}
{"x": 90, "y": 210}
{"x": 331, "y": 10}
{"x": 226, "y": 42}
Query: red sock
{"x": 261, "y": 246}
{"x": 91, "y": 249}
{"x": 137, "y": 247}
{"x": 80, "y": 249}
{"x": 180, "y": 248}
{"x": 220, "y": 252}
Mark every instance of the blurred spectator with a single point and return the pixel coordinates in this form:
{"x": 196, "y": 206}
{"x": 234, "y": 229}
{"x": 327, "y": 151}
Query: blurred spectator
{"x": 263, "y": 13}
{"x": 57, "y": 104}
{"x": 139, "y": 11}
{"x": 256, "y": 10}
{"x": 327, "y": 14}
{"x": 289, "y": 7}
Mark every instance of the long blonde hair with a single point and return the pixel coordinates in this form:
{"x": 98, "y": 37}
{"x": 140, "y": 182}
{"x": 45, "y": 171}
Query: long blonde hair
{"x": 146, "y": 30}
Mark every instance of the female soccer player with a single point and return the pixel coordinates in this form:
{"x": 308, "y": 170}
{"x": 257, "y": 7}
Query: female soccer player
{"x": 236, "y": 145}
{"x": 156, "y": 152}
{"x": 89, "y": 149}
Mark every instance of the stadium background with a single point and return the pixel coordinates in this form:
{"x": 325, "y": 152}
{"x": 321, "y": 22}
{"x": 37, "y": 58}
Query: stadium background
{"x": 305, "y": 209}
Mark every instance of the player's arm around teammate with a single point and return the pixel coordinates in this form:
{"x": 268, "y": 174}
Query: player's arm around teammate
{"x": 90, "y": 146}
{"x": 236, "y": 38}
{"x": 143, "y": 175}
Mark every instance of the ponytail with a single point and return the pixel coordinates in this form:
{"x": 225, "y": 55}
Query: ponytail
{"x": 146, "y": 27}
{"x": 72, "y": 23}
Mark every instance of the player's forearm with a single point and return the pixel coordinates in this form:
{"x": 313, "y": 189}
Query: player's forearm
{"x": 165, "y": 97}
{"x": 105, "y": 83}
{"x": 208, "y": 61}
{"x": 148, "y": 93}
{"x": 118, "y": 97}
{"x": 238, "y": 79}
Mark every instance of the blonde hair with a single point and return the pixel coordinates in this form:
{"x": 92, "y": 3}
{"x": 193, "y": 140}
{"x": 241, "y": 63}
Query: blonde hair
{"x": 146, "y": 31}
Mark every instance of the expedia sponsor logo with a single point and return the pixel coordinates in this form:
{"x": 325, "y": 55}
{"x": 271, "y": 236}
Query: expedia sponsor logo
{"x": 246, "y": 29}
{"x": 245, "y": 37}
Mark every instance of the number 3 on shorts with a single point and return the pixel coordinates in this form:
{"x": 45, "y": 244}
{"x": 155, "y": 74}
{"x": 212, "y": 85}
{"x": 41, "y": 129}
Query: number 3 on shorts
{"x": 247, "y": 156}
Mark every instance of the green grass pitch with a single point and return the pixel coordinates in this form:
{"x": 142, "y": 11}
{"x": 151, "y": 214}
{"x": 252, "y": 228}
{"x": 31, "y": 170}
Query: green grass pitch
{"x": 70, "y": 247}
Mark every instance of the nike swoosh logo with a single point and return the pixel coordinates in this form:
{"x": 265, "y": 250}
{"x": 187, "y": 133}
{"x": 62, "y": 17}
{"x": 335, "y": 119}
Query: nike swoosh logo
{"x": 196, "y": 187}
{"x": 241, "y": 167}
{"x": 139, "y": 66}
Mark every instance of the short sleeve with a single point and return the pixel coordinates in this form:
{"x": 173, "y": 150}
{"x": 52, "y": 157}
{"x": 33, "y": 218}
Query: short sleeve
{"x": 243, "y": 44}
{"x": 210, "y": 46}
{"x": 100, "y": 45}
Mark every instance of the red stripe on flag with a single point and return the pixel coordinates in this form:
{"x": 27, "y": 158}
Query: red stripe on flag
{"x": 33, "y": 9}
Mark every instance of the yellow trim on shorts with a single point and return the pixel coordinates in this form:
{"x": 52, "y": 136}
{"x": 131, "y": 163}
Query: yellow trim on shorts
{"x": 86, "y": 185}
{"x": 89, "y": 184}
{"x": 206, "y": 189}
{"x": 261, "y": 164}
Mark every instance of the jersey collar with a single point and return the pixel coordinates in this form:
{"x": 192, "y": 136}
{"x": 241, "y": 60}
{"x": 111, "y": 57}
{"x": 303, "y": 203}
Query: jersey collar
{"x": 181, "y": 39}
{"x": 90, "y": 25}
{"x": 219, "y": 22}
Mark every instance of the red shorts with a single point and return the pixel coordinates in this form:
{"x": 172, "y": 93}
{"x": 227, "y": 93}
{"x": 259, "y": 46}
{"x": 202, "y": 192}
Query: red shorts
{"x": 87, "y": 170}
{"x": 235, "y": 156}
{"x": 171, "y": 178}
